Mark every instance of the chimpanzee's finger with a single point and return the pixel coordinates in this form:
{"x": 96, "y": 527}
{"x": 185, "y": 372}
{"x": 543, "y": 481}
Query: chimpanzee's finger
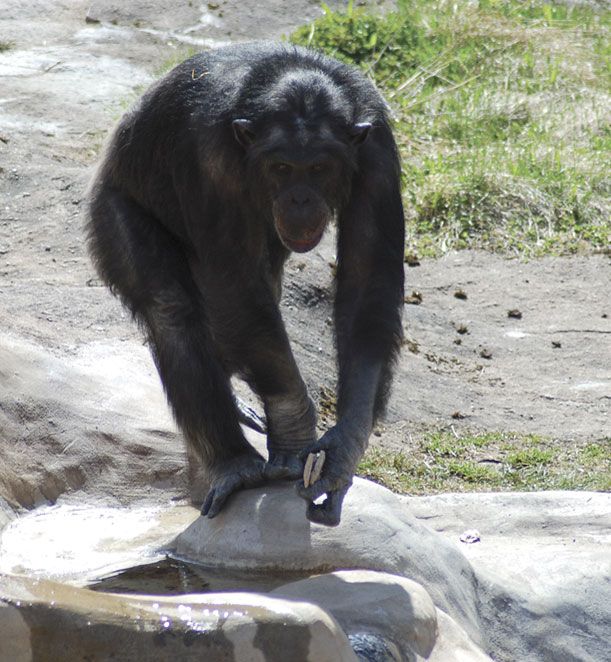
{"x": 329, "y": 512}
{"x": 320, "y": 487}
{"x": 218, "y": 501}
{"x": 218, "y": 495}
{"x": 314, "y": 448}
{"x": 208, "y": 502}
{"x": 275, "y": 472}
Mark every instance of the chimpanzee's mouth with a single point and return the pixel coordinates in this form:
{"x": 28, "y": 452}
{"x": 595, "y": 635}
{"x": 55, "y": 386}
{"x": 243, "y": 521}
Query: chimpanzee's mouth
{"x": 305, "y": 245}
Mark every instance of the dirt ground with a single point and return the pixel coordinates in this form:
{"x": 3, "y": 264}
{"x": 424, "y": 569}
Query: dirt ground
{"x": 73, "y": 67}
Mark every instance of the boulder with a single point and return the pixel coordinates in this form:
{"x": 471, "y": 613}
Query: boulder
{"x": 46, "y": 621}
{"x": 91, "y": 421}
{"x": 367, "y": 604}
{"x": 266, "y": 528}
{"x": 538, "y": 570}
{"x": 543, "y": 568}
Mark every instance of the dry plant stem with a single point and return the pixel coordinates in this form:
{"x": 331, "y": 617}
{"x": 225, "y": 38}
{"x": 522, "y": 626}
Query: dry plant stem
{"x": 313, "y": 468}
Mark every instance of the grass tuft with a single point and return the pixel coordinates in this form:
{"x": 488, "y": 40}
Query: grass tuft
{"x": 502, "y": 116}
{"x": 443, "y": 462}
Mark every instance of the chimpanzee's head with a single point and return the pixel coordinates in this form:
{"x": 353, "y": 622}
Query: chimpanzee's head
{"x": 301, "y": 155}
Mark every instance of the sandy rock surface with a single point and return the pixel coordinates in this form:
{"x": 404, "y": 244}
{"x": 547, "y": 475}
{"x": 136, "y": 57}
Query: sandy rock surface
{"x": 73, "y": 69}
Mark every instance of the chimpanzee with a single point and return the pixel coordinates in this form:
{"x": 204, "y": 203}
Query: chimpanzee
{"x": 232, "y": 161}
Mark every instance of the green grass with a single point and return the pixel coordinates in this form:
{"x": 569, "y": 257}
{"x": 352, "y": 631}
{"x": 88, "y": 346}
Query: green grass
{"x": 444, "y": 462}
{"x": 502, "y": 117}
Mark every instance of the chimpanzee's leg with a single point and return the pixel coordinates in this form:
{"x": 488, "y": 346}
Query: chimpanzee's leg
{"x": 246, "y": 319}
{"x": 146, "y": 266}
{"x": 289, "y": 410}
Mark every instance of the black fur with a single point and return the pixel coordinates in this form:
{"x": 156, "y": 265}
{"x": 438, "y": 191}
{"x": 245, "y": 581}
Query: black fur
{"x": 235, "y": 158}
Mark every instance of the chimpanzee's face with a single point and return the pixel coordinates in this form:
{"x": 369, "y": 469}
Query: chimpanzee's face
{"x": 304, "y": 193}
{"x": 305, "y": 174}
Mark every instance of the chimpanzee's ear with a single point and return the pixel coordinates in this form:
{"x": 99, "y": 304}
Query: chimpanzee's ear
{"x": 359, "y": 132}
{"x": 243, "y": 132}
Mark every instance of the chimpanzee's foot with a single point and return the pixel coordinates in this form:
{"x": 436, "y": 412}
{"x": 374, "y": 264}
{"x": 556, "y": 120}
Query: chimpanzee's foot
{"x": 284, "y": 466}
{"x": 291, "y": 428}
{"x": 238, "y": 473}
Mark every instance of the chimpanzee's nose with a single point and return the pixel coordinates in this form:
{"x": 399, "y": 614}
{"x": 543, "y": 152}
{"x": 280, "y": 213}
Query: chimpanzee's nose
{"x": 300, "y": 198}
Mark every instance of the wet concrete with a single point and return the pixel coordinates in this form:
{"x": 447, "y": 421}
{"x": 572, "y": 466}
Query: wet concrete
{"x": 80, "y": 544}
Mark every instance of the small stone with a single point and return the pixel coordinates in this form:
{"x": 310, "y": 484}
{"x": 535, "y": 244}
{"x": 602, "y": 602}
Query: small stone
{"x": 415, "y": 298}
{"x": 411, "y": 345}
{"x": 460, "y": 294}
{"x": 514, "y": 313}
{"x": 470, "y": 536}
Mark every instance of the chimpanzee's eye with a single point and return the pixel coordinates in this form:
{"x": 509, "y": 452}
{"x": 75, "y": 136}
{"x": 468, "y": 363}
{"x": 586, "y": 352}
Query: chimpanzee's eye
{"x": 317, "y": 168}
{"x": 281, "y": 168}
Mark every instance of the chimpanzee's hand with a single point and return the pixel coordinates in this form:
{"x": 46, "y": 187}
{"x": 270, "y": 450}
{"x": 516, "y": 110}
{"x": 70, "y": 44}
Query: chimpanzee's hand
{"x": 238, "y": 473}
{"x": 343, "y": 448}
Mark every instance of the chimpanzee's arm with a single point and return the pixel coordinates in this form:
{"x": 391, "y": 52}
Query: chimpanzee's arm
{"x": 367, "y": 317}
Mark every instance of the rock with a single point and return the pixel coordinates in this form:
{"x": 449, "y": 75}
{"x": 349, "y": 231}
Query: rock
{"x": 382, "y": 614}
{"x": 15, "y": 643}
{"x": 454, "y": 644}
{"x": 43, "y": 620}
{"x": 397, "y": 610}
{"x": 95, "y": 420}
{"x": 379, "y": 612}
{"x": 204, "y": 24}
{"x": 543, "y": 567}
{"x": 517, "y": 594}
{"x": 82, "y": 543}
{"x": 6, "y": 514}
{"x": 266, "y": 528}
{"x": 92, "y": 430}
